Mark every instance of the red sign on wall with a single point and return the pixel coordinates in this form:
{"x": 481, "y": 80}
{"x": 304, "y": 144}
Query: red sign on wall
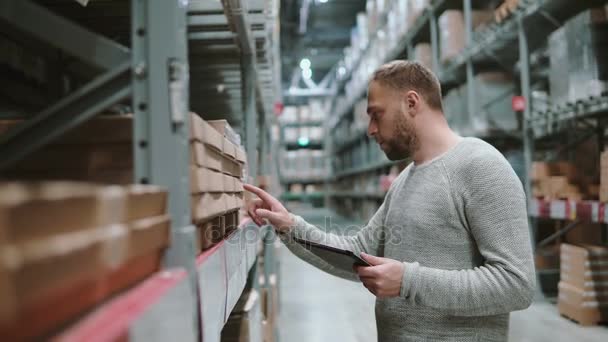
{"x": 278, "y": 108}
{"x": 518, "y": 103}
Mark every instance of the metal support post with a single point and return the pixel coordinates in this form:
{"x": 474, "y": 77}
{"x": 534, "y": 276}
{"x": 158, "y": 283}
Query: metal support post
{"x": 250, "y": 112}
{"x": 434, "y": 42}
{"x": 468, "y": 24}
{"x": 160, "y": 104}
{"x": 528, "y": 140}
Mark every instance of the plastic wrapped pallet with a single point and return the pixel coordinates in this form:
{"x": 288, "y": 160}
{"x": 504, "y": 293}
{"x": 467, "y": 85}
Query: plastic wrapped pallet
{"x": 576, "y": 54}
{"x": 451, "y": 34}
{"x": 423, "y": 54}
{"x": 494, "y": 91}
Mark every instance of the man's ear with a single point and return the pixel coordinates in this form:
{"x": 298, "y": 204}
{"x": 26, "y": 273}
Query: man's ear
{"x": 412, "y": 102}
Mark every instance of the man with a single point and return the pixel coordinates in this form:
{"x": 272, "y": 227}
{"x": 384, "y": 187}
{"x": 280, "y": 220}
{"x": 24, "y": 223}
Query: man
{"x": 449, "y": 247}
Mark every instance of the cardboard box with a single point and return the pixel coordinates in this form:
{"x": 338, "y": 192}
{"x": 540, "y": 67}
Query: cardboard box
{"x": 423, "y": 55}
{"x": 202, "y": 132}
{"x": 451, "y": 34}
{"x": 241, "y": 156}
{"x": 206, "y": 180}
{"x": 229, "y": 183}
{"x": 99, "y": 130}
{"x": 585, "y": 307}
{"x": 547, "y": 258}
{"x": 31, "y": 211}
{"x": 204, "y": 156}
{"x": 585, "y": 266}
{"x": 210, "y": 232}
{"x": 208, "y": 205}
{"x": 224, "y": 128}
{"x": 117, "y": 177}
{"x": 231, "y": 167}
{"x": 238, "y": 185}
{"x": 229, "y": 149}
{"x": 33, "y": 322}
{"x": 145, "y": 201}
{"x": 78, "y": 157}
{"x": 245, "y": 323}
{"x": 38, "y": 270}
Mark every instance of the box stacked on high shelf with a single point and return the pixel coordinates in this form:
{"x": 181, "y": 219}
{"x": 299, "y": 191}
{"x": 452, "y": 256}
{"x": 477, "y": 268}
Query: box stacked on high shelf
{"x": 216, "y": 169}
{"x": 604, "y": 177}
{"x": 62, "y": 241}
{"x": 577, "y": 54}
{"x": 583, "y": 287}
{"x": 562, "y": 180}
{"x": 100, "y": 150}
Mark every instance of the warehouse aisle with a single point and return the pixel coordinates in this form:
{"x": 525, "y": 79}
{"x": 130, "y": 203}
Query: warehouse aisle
{"x": 318, "y": 307}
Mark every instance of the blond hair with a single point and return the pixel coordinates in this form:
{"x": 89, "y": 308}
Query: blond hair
{"x": 410, "y": 75}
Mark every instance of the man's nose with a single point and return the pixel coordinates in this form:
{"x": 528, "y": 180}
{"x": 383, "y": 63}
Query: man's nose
{"x": 372, "y": 129}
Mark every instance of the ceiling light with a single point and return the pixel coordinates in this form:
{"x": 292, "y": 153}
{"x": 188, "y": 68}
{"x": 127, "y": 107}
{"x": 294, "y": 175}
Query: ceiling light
{"x": 323, "y": 1}
{"x": 342, "y": 71}
{"x": 305, "y": 63}
{"x": 303, "y": 141}
{"x": 307, "y": 73}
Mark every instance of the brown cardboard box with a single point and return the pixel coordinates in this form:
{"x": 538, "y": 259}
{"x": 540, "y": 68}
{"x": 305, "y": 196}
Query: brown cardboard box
{"x": 229, "y": 149}
{"x": 229, "y": 183}
{"x": 89, "y": 277}
{"x": 118, "y": 177}
{"x": 210, "y": 232}
{"x": 58, "y": 207}
{"x": 206, "y": 180}
{"x": 547, "y": 258}
{"x": 202, "y": 132}
{"x": 241, "y": 156}
{"x": 245, "y": 322}
{"x": 263, "y": 181}
{"x": 231, "y": 167}
{"x": 238, "y": 185}
{"x": 585, "y": 307}
{"x": 79, "y": 157}
{"x": 145, "y": 201}
{"x": 604, "y": 177}
{"x": 424, "y": 55}
{"x": 208, "y": 205}
{"x": 33, "y": 321}
{"x": 585, "y": 233}
{"x": 451, "y": 34}
{"x": 585, "y": 266}
{"x": 204, "y": 156}
{"x": 99, "y": 130}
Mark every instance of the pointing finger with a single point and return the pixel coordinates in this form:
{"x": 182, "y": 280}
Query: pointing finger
{"x": 266, "y": 197}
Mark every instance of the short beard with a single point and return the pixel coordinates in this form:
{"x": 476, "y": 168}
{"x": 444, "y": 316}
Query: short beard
{"x": 405, "y": 142}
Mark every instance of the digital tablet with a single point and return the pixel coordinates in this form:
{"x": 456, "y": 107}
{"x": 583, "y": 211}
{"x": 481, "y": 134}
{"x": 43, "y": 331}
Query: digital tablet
{"x": 342, "y": 258}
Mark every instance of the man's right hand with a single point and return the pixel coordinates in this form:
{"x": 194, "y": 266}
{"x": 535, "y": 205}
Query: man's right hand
{"x": 268, "y": 208}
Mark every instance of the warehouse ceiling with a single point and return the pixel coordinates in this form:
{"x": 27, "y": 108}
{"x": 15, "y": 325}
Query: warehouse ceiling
{"x": 318, "y": 30}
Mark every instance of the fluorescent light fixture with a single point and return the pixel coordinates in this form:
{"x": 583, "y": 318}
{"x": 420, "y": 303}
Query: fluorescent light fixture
{"x": 303, "y": 141}
{"x": 323, "y": 1}
{"x": 342, "y": 71}
{"x": 305, "y": 64}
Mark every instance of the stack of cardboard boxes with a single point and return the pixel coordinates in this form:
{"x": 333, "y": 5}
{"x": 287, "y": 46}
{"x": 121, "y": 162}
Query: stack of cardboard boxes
{"x": 216, "y": 169}
{"x": 561, "y": 180}
{"x": 583, "y": 288}
{"x": 100, "y": 151}
{"x": 67, "y": 240}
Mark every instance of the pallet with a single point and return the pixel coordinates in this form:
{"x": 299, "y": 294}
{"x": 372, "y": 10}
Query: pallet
{"x": 215, "y": 229}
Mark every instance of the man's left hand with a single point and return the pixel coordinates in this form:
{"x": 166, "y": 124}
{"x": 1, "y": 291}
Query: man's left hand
{"x": 383, "y": 278}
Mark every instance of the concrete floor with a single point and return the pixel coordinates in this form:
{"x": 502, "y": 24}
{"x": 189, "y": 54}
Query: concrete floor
{"x": 318, "y": 307}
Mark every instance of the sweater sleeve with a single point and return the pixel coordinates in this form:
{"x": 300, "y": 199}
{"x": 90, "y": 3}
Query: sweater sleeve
{"x": 368, "y": 240}
{"x": 493, "y": 203}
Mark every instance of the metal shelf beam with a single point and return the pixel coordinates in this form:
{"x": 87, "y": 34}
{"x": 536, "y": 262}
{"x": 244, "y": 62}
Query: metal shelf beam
{"x": 55, "y": 30}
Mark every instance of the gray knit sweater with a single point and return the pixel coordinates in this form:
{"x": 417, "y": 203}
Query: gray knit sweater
{"x": 459, "y": 224}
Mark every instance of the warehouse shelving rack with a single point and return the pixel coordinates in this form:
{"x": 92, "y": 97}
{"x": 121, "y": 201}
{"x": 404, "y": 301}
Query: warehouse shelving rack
{"x": 164, "y": 59}
{"x": 501, "y": 46}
